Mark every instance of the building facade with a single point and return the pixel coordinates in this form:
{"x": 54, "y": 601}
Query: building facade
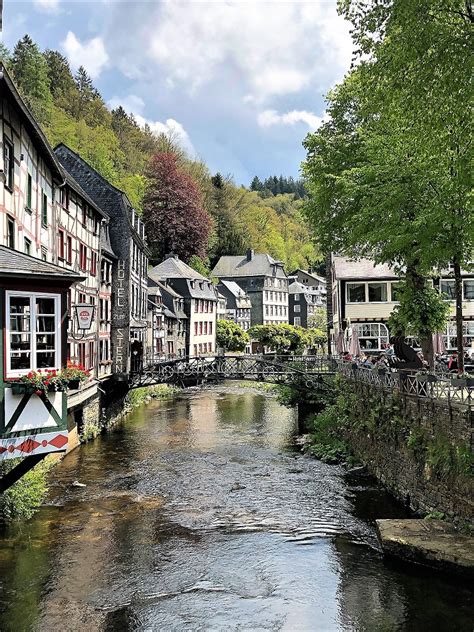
{"x": 200, "y": 303}
{"x": 264, "y": 281}
{"x": 303, "y": 301}
{"x": 363, "y": 296}
{"x": 126, "y": 235}
{"x": 238, "y": 305}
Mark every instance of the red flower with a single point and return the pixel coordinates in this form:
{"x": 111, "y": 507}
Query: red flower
{"x": 39, "y": 392}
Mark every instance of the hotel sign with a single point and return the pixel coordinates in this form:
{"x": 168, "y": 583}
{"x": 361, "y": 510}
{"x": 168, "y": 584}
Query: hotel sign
{"x": 121, "y": 317}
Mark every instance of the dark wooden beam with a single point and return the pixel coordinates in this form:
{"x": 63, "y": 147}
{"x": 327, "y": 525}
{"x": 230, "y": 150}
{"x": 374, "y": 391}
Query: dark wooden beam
{"x": 19, "y": 470}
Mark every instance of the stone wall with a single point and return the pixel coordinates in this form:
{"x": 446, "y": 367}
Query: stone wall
{"x": 421, "y": 450}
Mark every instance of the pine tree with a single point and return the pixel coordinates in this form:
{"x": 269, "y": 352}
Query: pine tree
{"x": 62, "y": 85}
{"x": 256, "y": 184}
{"x": 30, "y": 72}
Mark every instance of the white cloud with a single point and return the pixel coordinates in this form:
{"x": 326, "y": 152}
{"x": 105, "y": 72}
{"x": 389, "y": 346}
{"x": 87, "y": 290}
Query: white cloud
{"x": 48, "y": 6}
{"x": 267, "y": 118}
{"x": 91, "y": 54}
{"x": 135, "y": 105}
{"x": 267, "y": 48}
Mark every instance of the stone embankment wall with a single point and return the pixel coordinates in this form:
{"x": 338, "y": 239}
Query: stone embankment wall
{"x": 421, "y": 450}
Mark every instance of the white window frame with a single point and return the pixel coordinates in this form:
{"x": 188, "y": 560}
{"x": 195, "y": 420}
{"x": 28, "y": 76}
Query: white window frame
{"x": 297, "y": 297}
{"x": 297, "y": 309}
{"x": 347, "y": 292}
{"x": 297, "y": 321}
{"x": 33, "y": 333}
{"x": 383, "y": 335}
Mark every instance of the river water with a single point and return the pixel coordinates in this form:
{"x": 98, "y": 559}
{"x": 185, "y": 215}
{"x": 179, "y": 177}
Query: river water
{"x": 200, "y": 514}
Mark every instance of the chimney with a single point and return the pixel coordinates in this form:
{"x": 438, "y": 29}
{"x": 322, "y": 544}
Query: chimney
{"x": 250, "y": 254}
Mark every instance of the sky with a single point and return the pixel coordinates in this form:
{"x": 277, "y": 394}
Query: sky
{"x": 239, "y": 83}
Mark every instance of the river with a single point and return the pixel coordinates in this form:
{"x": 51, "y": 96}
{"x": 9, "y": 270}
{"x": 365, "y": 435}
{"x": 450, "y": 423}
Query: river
{"x": 200, "y": 514}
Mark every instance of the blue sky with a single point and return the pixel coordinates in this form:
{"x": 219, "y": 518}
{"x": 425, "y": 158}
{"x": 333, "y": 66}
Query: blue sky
{"x": 240, "y": 83}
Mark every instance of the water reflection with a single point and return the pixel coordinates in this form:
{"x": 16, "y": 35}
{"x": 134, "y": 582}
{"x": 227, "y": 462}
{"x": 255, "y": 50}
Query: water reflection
{"x": 199, "y": 515}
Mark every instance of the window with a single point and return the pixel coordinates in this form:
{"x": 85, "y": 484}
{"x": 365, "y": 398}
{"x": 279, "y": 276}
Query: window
{"x": 10, "y": 232}
{"x": 297, "y": 297}
{"x": 60, "y": 244}
{"x": 356, "y": 293}
{"x": 195, "y": 329}
{"x": 44, "y": 254}
{"x": 200, "y": 328}
{"x": 468, "y": 289}
{"x": 372, "y": 336}
{"x": 377, "y": 292}
{"x": 27, "y": 246}
{"x": 69, "y": 249}
{"x": 210, "y": 328}
{"x": 84, "y": 215}
{"x": 8, "y": 163}
{"x": 447, "y": 287}
{"x": 195, "y": 350}
{"x": 81, "y": 353}
{"x": 82, "y": 257}
{"x": 297, "y": 308}
{"x": 33, "y": 332}
{"x": 93, "y": 263}
{"x": 65, "y": 198}
{"x": 91, "y": 356}
{"x": 297, "y": 321}
{"x": 44, "y": 209}
{"x": 29, "y": 192}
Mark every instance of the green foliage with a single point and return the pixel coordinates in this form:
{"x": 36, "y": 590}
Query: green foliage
{"x": 25, "y": 496}
{"x": 200, "y": 265}
{"x": 31, "y": 75}
{"x": 397, "y": 146}
{"x": 435, "y": 515}
{"x": 275, "y": 185}
{"x": 282, "y": 338}
{"x": 326, "y": 443}
{"x": 230, "y": 336}
{"x": 319, "y": 319}
{"x": 139, "y": 396}
{"x": 420, "y": 312}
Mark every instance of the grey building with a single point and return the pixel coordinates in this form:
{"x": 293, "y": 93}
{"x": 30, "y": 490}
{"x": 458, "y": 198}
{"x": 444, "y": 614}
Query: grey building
{"x": 238, "y": 303}
{"x": 200, "y": 303}
{"x": 129, "y": 271}
{"x": 310, "y": 279}
{"x": 169, "y": 319}
{"x": 263, "y": 279}
{"x": 303, "y": 301}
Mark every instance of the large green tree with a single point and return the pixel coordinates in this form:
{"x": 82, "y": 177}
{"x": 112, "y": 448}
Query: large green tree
{"x": 230, "y": 336}
{"x": 386, "y": 178}
{"x": 30, "y": 72}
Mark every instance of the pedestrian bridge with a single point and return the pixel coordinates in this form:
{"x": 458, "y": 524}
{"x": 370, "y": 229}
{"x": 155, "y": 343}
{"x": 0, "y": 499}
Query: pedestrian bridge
{"x": 299, "y": 371}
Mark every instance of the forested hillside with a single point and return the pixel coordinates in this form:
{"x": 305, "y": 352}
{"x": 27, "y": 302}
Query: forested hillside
{"x": 267, "y": 217}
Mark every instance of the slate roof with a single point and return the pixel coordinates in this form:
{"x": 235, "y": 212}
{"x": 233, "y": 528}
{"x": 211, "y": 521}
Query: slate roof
{"x": 309, "y": 274}
{"x": 174, "y": 268}
{"x": 347, "y": 269}
{"x": 234, "y": 289}
{"x": 299, "y": 288}
{"x": 241, "y": 266}
{"x": 14, "y": 263}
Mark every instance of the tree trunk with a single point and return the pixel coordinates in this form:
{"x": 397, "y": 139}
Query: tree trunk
{"x": 459, "y": 316}
{"x": 418, "y": 283}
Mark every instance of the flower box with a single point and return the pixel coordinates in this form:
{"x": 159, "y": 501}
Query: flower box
{"x": 74, "y": 385}
{"x": 463, "y": 382}
{"x": 21, "y": 388}
{"x": 426, "y": 378}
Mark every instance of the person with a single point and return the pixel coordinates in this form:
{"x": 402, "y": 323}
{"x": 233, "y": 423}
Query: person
{"x": 453, "y": 362}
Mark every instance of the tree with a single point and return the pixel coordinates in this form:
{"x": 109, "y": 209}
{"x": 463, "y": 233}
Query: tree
{"x": 200, "y": 265}
{"x": 319, "y": 319}
{"x": 228, "y": 236}
{"x": 63, "y": 87}
{"x": 381, "y": 156}
{"x": 282, "y": 338}
{"x": 173, "y": 212}
{"x": 230, "y": 336}
{"x": 256, "y": 184}
{"x": 30, "y": 72}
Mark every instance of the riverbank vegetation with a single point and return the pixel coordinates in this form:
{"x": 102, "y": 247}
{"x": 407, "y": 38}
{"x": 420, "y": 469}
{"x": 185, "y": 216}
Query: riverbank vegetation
{"x": 139, "y": 396}
{"x": 24, "y": 497}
